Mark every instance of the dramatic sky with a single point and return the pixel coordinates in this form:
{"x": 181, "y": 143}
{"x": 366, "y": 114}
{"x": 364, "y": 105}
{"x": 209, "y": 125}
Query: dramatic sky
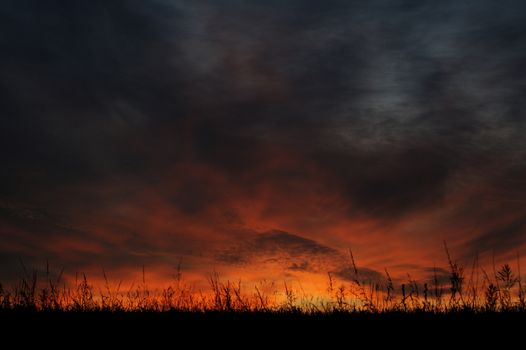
{"x": 261, "y": 139}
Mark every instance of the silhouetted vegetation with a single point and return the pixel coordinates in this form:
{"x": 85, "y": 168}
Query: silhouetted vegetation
{"x": 502, "y": 291}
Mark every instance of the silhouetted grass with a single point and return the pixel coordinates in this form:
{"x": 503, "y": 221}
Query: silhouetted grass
{"x": 501, "y": 292}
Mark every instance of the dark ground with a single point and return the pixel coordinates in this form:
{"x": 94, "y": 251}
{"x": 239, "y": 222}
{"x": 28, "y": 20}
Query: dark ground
{"x": 249, "y": 330}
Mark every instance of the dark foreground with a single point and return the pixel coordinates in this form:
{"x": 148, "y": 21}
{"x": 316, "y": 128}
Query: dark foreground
{"x": 220, "y": 328}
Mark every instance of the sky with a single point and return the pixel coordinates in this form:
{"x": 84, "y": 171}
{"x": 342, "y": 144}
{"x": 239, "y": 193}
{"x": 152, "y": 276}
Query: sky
{"x": 261, "y": 139}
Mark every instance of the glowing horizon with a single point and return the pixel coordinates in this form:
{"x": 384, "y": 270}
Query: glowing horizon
{"x": 262, "y": 140}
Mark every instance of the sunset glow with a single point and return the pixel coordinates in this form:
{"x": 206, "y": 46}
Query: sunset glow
{"x": 261, "y": 141}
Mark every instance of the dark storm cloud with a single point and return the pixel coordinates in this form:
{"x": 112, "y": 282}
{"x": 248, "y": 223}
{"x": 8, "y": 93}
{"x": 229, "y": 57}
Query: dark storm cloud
{"x": 80, "y": 83}
{"x": 293, "y": 244}
{"x": 295, "y": 253}
{"x": 504, "y": 239}
{"x": 389, "y": 106}
{"x": 390, "y": 100}
{"x": 86, "y": 81}
{"x": 363, "y": 275}
{"x": 276, "y": 243}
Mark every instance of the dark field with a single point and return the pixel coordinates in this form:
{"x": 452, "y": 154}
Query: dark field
{"x": 234, "y": 329}
{"x": 464, "y": 308}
